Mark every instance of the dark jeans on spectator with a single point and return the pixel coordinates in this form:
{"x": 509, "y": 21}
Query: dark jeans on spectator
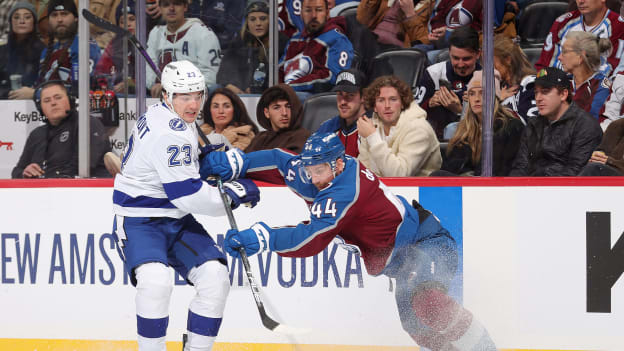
{"x": 595, "y": 169}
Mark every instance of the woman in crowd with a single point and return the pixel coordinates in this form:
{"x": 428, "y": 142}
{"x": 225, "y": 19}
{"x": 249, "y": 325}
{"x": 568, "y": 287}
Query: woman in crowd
{"x": 580, "y": 56}
{"x": 463, "y": 156}
{"x": 20, "y": 56}
{"x": 517, "y": 76}
{"x": 245, "y": 66}
{"x": 224, "y": 113}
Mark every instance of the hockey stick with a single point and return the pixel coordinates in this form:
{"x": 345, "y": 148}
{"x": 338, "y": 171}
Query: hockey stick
{"x": 104, "y": 24}
{"x": 267, "y": 321}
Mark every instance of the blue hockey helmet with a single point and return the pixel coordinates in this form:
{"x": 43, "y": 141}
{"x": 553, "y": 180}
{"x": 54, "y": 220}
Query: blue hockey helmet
{"x": 321, "y": 148}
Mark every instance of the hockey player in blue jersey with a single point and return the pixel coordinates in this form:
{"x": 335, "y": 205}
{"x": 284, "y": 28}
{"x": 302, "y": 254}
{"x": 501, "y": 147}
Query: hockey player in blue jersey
{"x": 155, "y": 193}
{"x": 395, "y": 239}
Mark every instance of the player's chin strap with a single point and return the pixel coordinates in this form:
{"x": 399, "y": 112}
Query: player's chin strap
{"x": 267, "y": 321}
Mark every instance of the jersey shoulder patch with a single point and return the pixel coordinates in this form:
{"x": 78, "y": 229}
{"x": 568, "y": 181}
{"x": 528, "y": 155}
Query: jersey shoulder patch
{"x": 606, "y": 83}
{"x": 177, "y": 124}
{"x": 564, "y": 17}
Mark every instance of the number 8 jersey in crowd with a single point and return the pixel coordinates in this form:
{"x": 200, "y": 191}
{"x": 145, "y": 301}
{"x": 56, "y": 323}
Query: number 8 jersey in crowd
{"x": 160, "y": 170}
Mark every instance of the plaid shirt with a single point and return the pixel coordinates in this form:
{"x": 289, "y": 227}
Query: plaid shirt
{"x": 5, "y": 21}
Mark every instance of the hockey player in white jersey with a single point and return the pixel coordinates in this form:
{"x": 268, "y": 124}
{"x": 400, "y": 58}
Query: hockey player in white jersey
{"x": 157, "y": 189}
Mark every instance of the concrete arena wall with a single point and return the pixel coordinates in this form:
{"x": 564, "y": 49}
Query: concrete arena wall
{"x": 525, "y": 247}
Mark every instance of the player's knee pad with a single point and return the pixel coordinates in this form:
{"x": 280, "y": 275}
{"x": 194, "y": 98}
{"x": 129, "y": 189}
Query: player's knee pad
{"x": 212, "y": 283}
{"x": 438, "y": 311}
{"x": 153, "y": 289}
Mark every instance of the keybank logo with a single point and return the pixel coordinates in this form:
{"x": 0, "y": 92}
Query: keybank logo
{"x": 7, "y": 144}
{"x": 31, "y": 117}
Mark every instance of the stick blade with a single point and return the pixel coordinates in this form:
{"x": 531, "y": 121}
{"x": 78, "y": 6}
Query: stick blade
{"x": 102, "y": 23}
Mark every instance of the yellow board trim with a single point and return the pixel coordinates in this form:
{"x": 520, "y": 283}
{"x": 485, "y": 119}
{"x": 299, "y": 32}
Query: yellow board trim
{"x": 126, "y": 345}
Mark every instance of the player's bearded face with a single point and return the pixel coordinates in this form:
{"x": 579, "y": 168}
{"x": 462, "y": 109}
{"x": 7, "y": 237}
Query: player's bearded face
{"x": 320, "y": 175}
{"x": 187, "y": 105}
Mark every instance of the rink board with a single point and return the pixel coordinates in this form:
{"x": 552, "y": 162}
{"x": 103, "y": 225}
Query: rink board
{"x": 524, "y": 275}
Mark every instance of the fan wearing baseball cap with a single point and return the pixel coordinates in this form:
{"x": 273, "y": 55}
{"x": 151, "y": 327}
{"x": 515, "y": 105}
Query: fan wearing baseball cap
{"x": 560, "y": 140}
{"x": 350, "y": 102}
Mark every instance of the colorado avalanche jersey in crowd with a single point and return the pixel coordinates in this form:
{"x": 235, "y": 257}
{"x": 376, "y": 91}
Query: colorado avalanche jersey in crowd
{"x": 356, "y": 208}
{"x": 611, "y": 27}
{"x": 160, "y": 170}
{"x": 63, "y": 57}
{"x": 348, "y": 134}
{"x": 316, "y": 59}
{"x": 289, "y": 17}
{"x": 193, "y": 41}
{"x": 430, "y": 82}
{"x": 523, "y": 101}
{"x": 456, "y": 13}
{"x": 592, "y": 94}
{"x": 612, "y": 109}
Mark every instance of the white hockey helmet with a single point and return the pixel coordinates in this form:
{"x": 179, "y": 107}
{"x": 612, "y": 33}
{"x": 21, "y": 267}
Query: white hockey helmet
{"x": 182, "y": 77}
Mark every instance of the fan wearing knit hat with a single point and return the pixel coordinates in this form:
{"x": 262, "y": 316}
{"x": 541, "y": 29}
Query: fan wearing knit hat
{"x": 19, "y": 57}
{"x": 463, "y": 154}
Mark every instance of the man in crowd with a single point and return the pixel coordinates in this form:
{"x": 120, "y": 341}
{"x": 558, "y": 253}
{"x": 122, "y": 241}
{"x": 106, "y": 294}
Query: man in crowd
{"x": 397, "y": 141}
{"x": 350, "y": 101}
{"x": 441, "y": 88}
{"x": 59, "y": 61}
{"x": 51, "y": 150}
{"x": 182, "y": 39}
{"x": 561, "y": 139}
{"x": 592, "y": 16}
{"x": 280, "y": 112}
{"x": 314, "y": 57}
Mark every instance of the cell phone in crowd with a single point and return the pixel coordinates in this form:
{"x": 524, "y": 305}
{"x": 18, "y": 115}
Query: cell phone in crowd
{"x": 445, "y": 83}
{"x": 368, "y": 114}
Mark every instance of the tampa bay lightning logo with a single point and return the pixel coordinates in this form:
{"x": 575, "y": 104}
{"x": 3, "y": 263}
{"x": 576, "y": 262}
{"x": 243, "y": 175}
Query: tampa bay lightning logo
{"x": 177, "y": 124}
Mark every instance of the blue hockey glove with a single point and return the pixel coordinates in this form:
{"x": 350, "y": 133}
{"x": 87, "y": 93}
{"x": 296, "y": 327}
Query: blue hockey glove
{"x": 254, "y": 240}
{"x": 242, "y": 191}
{"x": 205, "y": 150}
{"x": 228, "y": 165}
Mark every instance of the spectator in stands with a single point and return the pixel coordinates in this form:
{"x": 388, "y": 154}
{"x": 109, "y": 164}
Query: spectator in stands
{"x": 182, "y": 39}
{"x": 60, "y": 58}
{"x": 223, "y": 17}
{"x": 608, "y": 158}
{"x": 463, "y": 154}
{"x": 111, "y": 62}
{"x": 394, "y": 22}
{"x": 592, "y": 16}
{"x": 103, "y": 9}
{"x": 314, "y": 58}
{"x": 5, "y": 19}
{"x": 441, "y": 88}
{"x": 397, "y": 141}
{"x": 225, "y": 113}
{"x": 20, "y": 56}
{"x": 518, "y": 77}
{"x": 280, "y": 112}
{"x": 613, "y": 109}
{"x": 580, "y": 56}
{"x": 51, "y": 150}
{"x": 561, "y": 139}
{"x": 350, "y": 101}
{"x": 245, "y": 65}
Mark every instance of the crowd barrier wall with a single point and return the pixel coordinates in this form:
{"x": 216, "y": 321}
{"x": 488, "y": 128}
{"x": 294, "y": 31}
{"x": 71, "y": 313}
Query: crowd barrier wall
{"x": 541, "y": 267}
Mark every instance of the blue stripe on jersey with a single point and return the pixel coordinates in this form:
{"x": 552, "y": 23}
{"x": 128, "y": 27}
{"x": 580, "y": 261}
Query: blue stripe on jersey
{"x": 201, "y": 325}
{"x": 152, "y": 328}
{"x": 125, "y": 200}
{"x": 186, "y": 187}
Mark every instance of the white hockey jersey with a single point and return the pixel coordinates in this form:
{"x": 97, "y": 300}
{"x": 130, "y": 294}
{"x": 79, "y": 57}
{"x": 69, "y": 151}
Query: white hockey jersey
{"x": 193, "y": 41}
{"x": 160, "y": 170}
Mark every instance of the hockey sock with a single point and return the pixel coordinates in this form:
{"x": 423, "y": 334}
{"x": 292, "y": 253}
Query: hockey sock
{"x": 212, "y": 284}
{"x": 152, "y": 303}
{"x": 454, "y": 325}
